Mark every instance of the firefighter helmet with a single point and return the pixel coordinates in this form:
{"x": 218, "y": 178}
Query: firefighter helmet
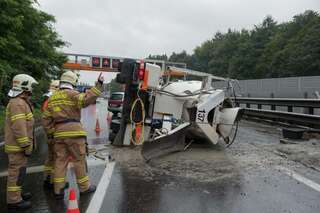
{"x": 69, "y": 77}
{"x": 21, "y": 83}
{"x": 54, "y": 85}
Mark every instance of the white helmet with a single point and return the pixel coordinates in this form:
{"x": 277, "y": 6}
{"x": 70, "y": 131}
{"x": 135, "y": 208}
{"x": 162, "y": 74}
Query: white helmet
{"x": 69, "y": 77}
{"x": 21, "y": 83}
{"x": 54, "y": 85}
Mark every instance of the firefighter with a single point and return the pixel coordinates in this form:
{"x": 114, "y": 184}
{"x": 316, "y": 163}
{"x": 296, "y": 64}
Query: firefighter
{"x": 19, "y": 141}
{"x": 49, "y": 163}
{"x": 63, "y": 117}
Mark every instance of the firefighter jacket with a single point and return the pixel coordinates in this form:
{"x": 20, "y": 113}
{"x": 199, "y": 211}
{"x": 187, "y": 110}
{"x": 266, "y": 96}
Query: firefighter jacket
{"x": 63, "y": 114}
{"x": 19, "y": 126}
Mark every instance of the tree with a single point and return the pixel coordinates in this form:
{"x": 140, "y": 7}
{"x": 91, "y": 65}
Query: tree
{"x": 28, "y": 44}
{"x": 300, "y": 52}
{"x": 183, "y": 57}
{"x": 163, "y": 57}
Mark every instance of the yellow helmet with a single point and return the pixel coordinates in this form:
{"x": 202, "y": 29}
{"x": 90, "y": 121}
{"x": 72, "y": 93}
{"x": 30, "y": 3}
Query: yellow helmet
{"x": 54, "y": 85}
{"x": 69, "y": 77}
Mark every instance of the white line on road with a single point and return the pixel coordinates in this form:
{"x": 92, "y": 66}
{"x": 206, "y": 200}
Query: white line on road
{"x": 30, "y": 170}
{"x": 37, "y": 169}
{"x": 300, "y": 178}
{"x": 98, "y": 197}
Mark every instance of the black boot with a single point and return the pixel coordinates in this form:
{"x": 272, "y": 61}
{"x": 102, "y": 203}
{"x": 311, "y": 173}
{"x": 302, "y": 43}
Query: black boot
{"x": 59, "y": 196}
{"x": 91, "y": 189}
{"x": 20, "y": 205}
{"x": 26, "y": 195}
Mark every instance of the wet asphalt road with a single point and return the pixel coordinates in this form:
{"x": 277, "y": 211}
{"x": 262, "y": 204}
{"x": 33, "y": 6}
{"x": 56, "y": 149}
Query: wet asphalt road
{"x": 268, "y": 191}
{"x": 244, "y": 178}
{"x": 251, "y": 182}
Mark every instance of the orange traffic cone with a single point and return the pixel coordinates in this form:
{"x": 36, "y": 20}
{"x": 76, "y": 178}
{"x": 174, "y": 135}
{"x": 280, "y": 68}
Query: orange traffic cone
{"x": 98, "y": 129}
{"x": 73, "y": 203}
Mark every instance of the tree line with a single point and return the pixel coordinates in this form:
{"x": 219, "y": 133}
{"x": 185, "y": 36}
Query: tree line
{"x": 269, "y": 50}
{"x": 28, "y": 44}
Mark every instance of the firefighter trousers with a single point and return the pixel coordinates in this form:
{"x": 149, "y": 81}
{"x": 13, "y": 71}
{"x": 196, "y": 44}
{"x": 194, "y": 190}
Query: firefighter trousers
{"x": 16, "y": 175}
{"x": 70, "y": 150}
{"x": 49, "y": 164}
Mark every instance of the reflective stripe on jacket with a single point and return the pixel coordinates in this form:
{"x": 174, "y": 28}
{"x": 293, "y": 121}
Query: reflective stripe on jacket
{"x": 62, "y": 116}
{"x": 18, "y": 125}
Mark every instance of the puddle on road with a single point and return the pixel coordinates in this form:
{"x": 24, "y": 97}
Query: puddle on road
{"x": 165, "y": 193}
{"x": 198, "y": 180}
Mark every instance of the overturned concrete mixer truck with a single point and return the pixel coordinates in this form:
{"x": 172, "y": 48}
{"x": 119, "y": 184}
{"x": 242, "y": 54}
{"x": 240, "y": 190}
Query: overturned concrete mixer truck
{"x": 165, "y": 114}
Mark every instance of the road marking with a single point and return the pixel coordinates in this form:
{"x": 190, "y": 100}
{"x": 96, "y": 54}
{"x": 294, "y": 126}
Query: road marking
{"x": 300, "y": 178}
{"x": 30, "y": 170}
{"x": 38, "y": 169}
{"x": 98, "y": 197}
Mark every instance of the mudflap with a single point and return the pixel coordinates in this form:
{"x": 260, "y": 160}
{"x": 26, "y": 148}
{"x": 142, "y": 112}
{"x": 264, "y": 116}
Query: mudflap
{"x": 174, "y": 141}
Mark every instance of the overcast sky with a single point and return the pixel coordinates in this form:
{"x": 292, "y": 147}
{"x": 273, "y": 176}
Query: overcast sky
{"x": 137, "y": 28}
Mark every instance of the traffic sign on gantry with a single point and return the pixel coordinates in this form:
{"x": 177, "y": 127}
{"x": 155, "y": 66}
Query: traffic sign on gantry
{"x": 92, "y": 62}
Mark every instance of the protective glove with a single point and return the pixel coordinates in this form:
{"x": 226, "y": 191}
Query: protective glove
{"x": 100, "y": 79}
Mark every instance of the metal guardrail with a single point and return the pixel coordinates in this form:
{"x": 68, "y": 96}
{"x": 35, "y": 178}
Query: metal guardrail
{"x": 296, "y": 102}
{"x": 309, "y": 104}
{"x": 287, "y": 117}
{"x": 290, "y": 117}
